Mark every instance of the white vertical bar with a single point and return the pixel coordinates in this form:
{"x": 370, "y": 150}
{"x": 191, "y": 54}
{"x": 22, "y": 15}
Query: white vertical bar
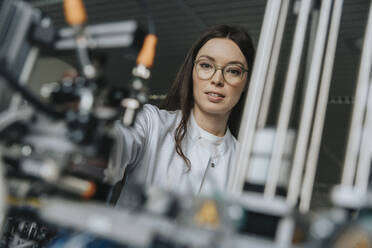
{"x": 358, "y": 110}
{"x": 364, "y": 164}
{"x": 287, "y": 98}
{"x": 269, "y": 85}
{"x": 2, "y": 194}
{"x": 250, "y": 114}
{"x": 313, "y": 155}
{"x": 313, "y": 26}
{"x": 308, "y": 107}
{"x": 29, "y": 65}
{"x": 284, "y": 232}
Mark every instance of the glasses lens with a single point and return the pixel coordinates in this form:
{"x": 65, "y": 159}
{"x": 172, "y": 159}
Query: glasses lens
{"x": 233, "y": 74}
{"x": 205, "y": 69}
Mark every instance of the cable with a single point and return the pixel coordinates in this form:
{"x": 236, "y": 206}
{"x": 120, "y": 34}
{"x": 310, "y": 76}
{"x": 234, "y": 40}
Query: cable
{"x": 150, "y": 19}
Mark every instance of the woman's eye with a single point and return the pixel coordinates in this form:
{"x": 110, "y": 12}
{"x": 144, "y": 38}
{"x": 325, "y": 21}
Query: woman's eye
{"x": 234, "y": 71}
{"x": 205, "y": 65}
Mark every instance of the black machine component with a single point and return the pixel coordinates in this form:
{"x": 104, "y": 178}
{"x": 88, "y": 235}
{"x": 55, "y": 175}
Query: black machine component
{"x": 20, "y": 231}
{"x": 25, "y": 32}
{"x": 65, "y": 238}
{"x": 160, "y": 242}
{"x": 81, "y": 106}
{"x": 21, "y": 28}
{"x": 63, "y": 147}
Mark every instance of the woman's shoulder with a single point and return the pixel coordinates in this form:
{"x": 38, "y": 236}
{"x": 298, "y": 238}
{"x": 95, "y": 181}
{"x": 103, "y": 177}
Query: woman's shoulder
{"x": 161, "y": 115}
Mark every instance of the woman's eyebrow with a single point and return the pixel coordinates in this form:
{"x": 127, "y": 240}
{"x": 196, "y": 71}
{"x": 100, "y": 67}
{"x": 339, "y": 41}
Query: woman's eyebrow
{"x": 236, "y": 62}
{"x": 208, "y": 57}
{"x": 231, "y": 62}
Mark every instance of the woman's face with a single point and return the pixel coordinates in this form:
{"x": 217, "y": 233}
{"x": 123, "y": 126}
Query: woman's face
{"x": 218, "y": 93}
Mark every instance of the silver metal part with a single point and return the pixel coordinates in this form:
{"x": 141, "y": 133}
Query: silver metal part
{"x": 110, "y": 35}
{"x": 28, "y": 66}
{"x": 83, "y": 56}
{"x": 97, "y": 219}
{"x": 3, "y": 196}
{"x": 122, "y": 40}
{"x": 141, "y": 71}
{"x": 131, "y": 105}
{"x": 47, "y": 169}
{"x": 364, "y": 163}
{"x": 123, "y": 27}
{"x": 86, "y": 100}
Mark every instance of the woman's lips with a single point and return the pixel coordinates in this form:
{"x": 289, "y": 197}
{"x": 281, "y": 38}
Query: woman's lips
{"x": 215, "y": 97}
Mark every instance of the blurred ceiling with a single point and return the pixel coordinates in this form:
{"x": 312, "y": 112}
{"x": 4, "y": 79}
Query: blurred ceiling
{"x": 179, "y": 22}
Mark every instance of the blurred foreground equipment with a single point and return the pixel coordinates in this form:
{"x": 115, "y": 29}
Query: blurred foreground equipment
{"x": 59, "y": 145}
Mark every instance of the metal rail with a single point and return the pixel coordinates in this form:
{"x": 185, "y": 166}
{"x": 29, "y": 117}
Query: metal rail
{"x": 354, "y": 139}
{"x": 287, "y": 99}
{"x": 269, "y": 85}
{"x": 309, "y": 102}
{"x": 319, "y": 118}
{"x": 250, "y": 115}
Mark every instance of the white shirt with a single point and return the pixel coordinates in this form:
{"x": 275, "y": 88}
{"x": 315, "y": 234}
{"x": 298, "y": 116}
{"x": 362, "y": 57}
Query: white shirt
{"x": 147, "y": 150}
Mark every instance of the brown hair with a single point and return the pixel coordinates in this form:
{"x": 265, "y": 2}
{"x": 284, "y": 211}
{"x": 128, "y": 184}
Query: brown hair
{"x": 180, "y": 95}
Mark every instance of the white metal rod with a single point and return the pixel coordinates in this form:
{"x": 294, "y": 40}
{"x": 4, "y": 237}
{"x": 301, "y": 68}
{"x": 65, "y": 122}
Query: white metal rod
{"x": 313, "y": 26}
{"x": 3, "y": 195}
{"x": 312, "y": 159}
{"x": 269, "y": 85}
{"x": 284, "y": 233}
{"x": 358, "y": 110}
{"x": 364, "y": 165}
{"x": 309, "y": 102}
{"x": 287, "y": 98}
{"x": 250, "y": 114}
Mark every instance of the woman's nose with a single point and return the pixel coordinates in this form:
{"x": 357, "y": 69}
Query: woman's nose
{"x": 218, "y": 78}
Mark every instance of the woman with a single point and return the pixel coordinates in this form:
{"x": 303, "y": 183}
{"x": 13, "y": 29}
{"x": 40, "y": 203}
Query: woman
{"x": 187, "y": 146}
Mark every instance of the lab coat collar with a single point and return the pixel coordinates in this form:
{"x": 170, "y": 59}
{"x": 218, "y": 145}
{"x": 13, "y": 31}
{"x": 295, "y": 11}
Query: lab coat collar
{"x": 194, "y": 134}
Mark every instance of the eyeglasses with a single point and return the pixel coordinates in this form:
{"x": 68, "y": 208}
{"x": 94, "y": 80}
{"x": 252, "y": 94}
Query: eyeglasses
{"x": 232, "y": 73}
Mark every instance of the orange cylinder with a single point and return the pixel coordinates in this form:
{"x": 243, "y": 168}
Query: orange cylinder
{"x": 91, "y": 190}
{"x": 75, "y": 13}
{"x": 147, "y": 53}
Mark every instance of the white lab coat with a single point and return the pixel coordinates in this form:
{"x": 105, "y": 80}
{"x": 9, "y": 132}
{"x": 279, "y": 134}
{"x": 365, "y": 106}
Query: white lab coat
{"x": 147, "y": 150}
